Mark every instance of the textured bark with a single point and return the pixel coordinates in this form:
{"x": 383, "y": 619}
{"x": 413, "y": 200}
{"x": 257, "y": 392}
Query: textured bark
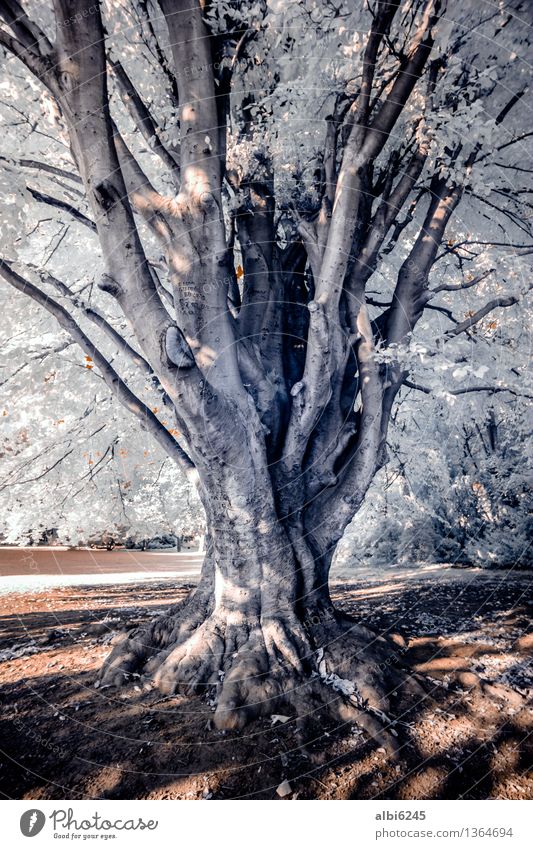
{"x": 251, "y": 639}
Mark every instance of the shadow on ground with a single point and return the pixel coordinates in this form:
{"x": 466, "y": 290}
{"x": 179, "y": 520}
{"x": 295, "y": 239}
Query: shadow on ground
{"x": 468, "y": 735}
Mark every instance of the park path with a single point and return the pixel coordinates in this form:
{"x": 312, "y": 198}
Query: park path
{"x": 52, "y": 566}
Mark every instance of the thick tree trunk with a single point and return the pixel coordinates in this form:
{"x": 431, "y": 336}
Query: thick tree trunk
{"x": 259, "y": 634}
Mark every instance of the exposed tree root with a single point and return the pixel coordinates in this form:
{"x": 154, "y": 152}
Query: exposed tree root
{"x": 134, "y": 650}
{"x": 253, "y": 668}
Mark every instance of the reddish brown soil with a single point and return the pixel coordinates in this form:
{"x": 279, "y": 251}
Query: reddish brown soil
{"x": 60, "y": 560}
{"x": 61, "y": 738}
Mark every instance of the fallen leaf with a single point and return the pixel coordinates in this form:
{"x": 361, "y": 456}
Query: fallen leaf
{"x": 284, "y": 789}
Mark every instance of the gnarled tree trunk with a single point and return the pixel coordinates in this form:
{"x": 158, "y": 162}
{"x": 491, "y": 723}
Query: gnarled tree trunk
{"x": 260, "y": 632}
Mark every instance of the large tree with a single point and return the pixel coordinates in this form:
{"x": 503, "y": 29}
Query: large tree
{"x": 276, "y": 323}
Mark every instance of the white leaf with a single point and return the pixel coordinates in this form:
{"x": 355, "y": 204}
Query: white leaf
{"x": 278, "y": 717}
{"x": 284, "y": 789}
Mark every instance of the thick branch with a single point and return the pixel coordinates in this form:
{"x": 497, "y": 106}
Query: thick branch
{"x": 33, "y": 61}
{"x": 410, "y": 71}
{"x": 26, "y": 31}
{"x": 156, "y": 209}
{"x": 83, "y": 99}
{"x": 409, "y": 296}
{"x": 121, "y": 391}
{"x": 198, "y": 118}
{"x": 255, "y": 228}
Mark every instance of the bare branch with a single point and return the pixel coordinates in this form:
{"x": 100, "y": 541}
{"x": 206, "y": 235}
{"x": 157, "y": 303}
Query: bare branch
{"x": 121, "y": 391}
{"x": 465, "y": 390}
{"x": 458, "y": 287}
{"x": 481, "y": 313}
{"x": 143, "y": 119}
{"x": 27, "y": 31}
{"x": 44, "y": 166}
{"x": 33, "y": 61}
{"x": 79, "y": 216}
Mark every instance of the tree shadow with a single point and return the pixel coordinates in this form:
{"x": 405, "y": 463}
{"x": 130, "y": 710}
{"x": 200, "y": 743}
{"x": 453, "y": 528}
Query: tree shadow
{"x": 117, "y": 606}
{"x": 61, "y": 738}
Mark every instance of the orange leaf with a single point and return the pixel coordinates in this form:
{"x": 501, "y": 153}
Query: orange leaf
{"x": 239, "y": 272}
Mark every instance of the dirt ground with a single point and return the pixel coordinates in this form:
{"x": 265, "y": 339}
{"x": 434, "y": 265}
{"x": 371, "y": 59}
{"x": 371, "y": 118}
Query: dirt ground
{"x": 470, "y": 736}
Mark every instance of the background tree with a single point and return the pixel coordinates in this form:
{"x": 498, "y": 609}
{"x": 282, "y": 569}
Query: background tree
{"x": 265, "y": 274}
{"x": 455, "y": 490}
{"x": 71, "y": 462}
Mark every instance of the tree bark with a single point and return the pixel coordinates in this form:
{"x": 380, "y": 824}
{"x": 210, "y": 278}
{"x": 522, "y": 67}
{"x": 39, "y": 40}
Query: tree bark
{"x": 252, "y": 637}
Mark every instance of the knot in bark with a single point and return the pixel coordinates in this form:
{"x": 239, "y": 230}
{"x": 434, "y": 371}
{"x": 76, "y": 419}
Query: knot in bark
{"x": 109, "y": 284}
{"x": 177, "y": 349}
{"x": 106, "y": 195}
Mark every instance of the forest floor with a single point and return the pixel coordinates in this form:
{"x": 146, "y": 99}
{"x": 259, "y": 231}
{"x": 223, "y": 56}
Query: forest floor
{"x": 467, "y": 631}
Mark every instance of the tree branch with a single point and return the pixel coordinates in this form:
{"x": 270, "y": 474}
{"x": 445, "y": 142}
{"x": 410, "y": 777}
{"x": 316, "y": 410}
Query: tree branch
{"x": 79, "y": 216}
{"x": 464, "y": 391}
{"x": 458, "y": 287}
{"x": 33, "y": 61}
{"x": 481, "y": 313}
{"x": 143, "y": 119}
{"x": 27, "y": 31}
{"x": 121, "y": 391}
{"x": 198, "y": 115}
{"x": 100, "y": 321}
{"x": 44, "y": 166}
